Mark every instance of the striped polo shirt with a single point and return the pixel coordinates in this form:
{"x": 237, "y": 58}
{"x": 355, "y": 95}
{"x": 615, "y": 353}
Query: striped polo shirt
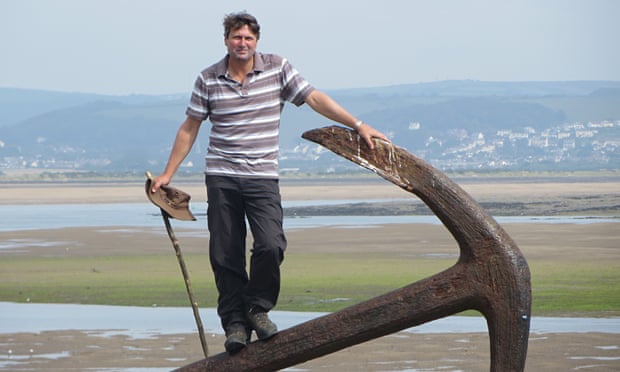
{"x": 245, "y": 117}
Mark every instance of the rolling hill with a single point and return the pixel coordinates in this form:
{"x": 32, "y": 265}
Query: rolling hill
{"x": 452, "y": 124}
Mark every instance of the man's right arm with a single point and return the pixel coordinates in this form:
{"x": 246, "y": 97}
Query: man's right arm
{"x": 185, "y": 138}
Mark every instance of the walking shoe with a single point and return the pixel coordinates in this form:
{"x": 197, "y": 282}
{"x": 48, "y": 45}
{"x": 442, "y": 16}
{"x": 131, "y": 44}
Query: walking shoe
{"x": 261, "y": 323}
{"x": 236, "y": 338}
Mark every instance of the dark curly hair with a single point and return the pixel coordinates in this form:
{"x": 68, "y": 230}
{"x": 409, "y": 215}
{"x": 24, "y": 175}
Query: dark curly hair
{"x": 235, "y": 21}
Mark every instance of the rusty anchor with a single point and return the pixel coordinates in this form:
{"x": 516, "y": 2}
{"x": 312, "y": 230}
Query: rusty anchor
{"x": 490, "y": 276}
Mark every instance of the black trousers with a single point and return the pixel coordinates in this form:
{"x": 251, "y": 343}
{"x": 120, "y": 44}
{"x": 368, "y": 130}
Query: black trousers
{"x": 230, "y": 201}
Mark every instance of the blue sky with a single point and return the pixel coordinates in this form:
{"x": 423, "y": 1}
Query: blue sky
{"x": 157, "y": 46}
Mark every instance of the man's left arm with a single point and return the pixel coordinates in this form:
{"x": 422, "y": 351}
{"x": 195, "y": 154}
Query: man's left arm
{"x": 326, "y": 106}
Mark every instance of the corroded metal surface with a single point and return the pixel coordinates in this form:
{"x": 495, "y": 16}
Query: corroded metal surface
{"x": 491, "y": 276}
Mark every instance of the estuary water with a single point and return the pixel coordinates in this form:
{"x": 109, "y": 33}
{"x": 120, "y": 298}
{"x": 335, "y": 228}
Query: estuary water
{"x": 55, "y": 216}
{"x": 144, "y": 322}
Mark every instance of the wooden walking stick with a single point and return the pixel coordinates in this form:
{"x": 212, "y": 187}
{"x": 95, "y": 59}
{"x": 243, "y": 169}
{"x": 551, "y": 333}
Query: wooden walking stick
{"x": 175, "y": 203}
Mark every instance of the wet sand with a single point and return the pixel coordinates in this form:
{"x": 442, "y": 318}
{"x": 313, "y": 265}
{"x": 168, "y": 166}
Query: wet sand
{"x": 77, "y": 350}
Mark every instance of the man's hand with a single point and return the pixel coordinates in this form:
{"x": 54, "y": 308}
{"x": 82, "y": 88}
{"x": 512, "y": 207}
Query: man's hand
{"x": 368, "y": 133}
{"x": 159, "y": 181}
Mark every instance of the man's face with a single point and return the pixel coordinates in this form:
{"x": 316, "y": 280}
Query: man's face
{"x": 241, "y": 43}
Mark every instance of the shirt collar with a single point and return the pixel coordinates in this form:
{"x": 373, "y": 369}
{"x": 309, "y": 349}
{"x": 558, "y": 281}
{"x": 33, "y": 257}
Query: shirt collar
{"x": 259, "y": 65}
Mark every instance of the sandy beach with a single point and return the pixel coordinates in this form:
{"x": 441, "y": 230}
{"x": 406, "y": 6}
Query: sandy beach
{"x": 64, "y": 350}
{"x": 526, "y": 191}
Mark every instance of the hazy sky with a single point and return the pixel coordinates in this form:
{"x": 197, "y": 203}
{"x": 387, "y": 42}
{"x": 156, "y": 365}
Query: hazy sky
{"x": 159, "y": 46}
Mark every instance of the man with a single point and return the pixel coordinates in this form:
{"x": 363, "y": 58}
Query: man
{"x": 243, "y": 96}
